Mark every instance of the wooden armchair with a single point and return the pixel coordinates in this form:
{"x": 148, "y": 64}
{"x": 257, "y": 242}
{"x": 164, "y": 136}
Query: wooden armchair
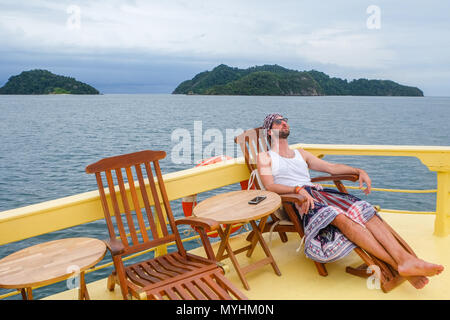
{"x": 254, "y": 141}
{"x": 175, "y": 275}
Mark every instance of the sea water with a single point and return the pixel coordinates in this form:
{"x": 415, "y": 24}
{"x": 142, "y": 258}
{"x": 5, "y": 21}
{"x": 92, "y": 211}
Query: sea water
{"x": 47, "y": 141}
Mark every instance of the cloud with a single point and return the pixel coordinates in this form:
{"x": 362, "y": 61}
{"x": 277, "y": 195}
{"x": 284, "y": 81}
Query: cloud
{"x": 194, "y": 28}
{"x": 202, "y": 34}
{"x": 338, "y": 46}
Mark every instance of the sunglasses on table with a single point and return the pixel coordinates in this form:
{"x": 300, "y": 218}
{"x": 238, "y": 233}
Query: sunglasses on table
{"x": 278, "y": 121}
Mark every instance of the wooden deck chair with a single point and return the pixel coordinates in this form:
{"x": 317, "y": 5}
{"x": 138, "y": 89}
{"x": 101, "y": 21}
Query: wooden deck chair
{"x": 254, "y": 141}
{"x": 175, "y": 275}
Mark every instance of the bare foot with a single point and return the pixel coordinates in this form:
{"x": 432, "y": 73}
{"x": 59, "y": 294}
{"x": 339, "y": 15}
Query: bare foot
{"x": 418, "y": 282}
{"x": 418, "y": 267}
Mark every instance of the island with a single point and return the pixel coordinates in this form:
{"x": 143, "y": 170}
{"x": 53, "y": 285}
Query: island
{"x": 274, "y": 80}
{"x": 45, "y": 82}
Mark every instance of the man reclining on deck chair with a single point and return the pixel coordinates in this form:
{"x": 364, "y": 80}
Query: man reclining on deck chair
{"x": 340, "y": 220}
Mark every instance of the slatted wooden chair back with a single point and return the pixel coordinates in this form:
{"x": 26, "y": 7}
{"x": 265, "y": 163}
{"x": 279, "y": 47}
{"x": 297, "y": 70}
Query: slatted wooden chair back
{"x": 138, "y": 226}
{"x": 252, "y": 142}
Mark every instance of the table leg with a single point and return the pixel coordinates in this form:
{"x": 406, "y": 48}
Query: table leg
{"x": 254, "y": 239}
{"x": 27, "y": 293}
{"x": 263, "y": 244}
{"x": 225, "y": 236}
{"x": 82, "y": 291}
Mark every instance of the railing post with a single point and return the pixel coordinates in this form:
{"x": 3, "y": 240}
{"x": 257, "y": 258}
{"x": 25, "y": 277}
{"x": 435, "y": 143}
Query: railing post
{"x": 441, "y": 224}
{"x": 161, "y": 250}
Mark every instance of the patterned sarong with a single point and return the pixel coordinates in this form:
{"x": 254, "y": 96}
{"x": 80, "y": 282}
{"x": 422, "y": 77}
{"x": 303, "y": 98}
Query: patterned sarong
{"x": 323, "y": 241}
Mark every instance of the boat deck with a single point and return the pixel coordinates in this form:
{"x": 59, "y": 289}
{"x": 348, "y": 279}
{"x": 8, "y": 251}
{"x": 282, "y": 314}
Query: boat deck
{"x": 300, "y": 280}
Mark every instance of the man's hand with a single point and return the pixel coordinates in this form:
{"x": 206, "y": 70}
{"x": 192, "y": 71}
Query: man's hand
{"x": 364, "y": 178}
{"x": 308, "y": 203}
{"x": 318, "y": 186}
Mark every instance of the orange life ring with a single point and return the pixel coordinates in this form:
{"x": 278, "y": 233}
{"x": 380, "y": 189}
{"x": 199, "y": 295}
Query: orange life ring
{"x": 188, "y": 203}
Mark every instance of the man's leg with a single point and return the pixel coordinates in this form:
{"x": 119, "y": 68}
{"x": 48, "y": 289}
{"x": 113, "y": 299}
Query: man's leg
{"x": 362, "y": 237}
{"x": 387, "y": 240}
{"x": 365, "y": 239}
{"x": 408, "y": 265}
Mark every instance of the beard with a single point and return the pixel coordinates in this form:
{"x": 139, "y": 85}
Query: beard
{"x": 280, "y": 134}
{"x": 284, "y": 134}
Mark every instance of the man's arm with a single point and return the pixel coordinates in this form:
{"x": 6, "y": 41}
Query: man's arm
{"x": 317, "y": 164}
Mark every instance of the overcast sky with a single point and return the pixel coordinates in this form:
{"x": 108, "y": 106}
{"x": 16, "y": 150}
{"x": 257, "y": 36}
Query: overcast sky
{"x": 123, "y": 46}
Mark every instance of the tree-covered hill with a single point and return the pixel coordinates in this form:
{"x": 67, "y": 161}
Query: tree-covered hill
{"x": 45, "y": 82}
{"x": 276, "y": 80}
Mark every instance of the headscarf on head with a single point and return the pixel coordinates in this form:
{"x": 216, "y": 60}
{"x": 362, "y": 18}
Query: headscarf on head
{"x": 269, "y": 120}
{"x": 267, "y": 125}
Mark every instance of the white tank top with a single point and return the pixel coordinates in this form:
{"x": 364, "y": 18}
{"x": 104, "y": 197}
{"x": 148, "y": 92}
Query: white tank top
{"x": 290, "y": 171}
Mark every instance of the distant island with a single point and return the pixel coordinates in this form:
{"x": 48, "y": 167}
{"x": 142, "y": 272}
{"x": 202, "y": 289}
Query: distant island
{"x": 45, "y": 82}
{"x": 274, "y": 80}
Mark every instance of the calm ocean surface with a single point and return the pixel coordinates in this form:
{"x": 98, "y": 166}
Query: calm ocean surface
{"x": 47, "y": 141}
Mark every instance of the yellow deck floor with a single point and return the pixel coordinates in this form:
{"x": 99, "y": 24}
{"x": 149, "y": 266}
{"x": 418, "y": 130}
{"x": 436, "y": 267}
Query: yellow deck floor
{"x": 299, "y": 279}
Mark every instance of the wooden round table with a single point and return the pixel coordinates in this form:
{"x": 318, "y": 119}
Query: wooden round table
{"x": 50, "y": 262}
{"x": 233, "y": 207}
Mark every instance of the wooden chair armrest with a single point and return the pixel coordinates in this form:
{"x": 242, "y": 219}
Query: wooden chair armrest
{"x": 202, "y": 225}
{"x": 205, "y": 223}
{"x": 115, "y": 246}
{"x": 350, "y": 177}
{"x": 292, "y": 197}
